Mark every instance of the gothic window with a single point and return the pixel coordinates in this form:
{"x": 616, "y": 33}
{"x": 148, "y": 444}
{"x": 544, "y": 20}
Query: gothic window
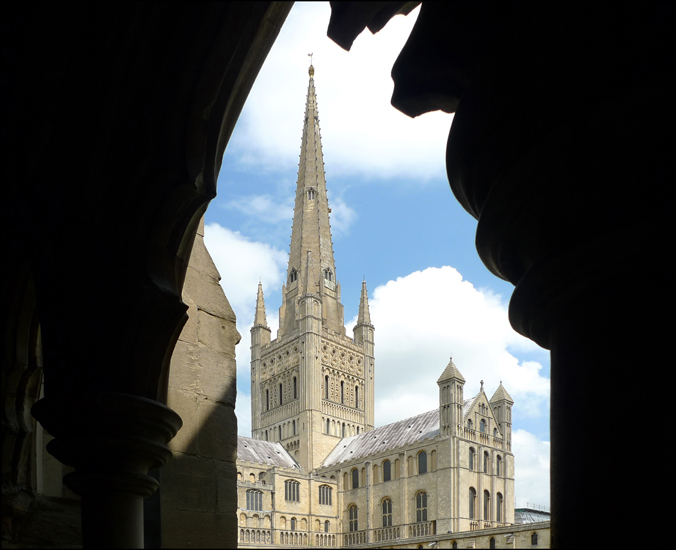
{"x": 387, "y": 512}
{"x": 498, "y": 507}
{"x": 345, "y": 481}
{"x": 343, "y": 430}
{"x": 355, "y": 478}
{"x": 454, "y": 544}
{"x": 293, "y": 276}
{"x": 293, "y": 524}
{"x": 266, "y": 435}
{"x": 534, "y": 539}
{"x": 492, "y": 542}
{"x": 293, "y": 423}
{"x": 280, "y": 394}
{"x": 387, "y": 470}
{"x": 482, "y": 426}
{"x": 495, "y": 432}
{"x": 292, "y": 490}
{"x": 326, "y": 526}
{"x": 325, "y": 495}
{"x": 421, "y": 506}
{"x": 328, "y": 426}
{"x": 254, "y": 500}
{"x": 498, "y": 466}
{"x": 353, "y": 512}
{"x": 487, "y": 506}
{"x": 267, "y": 400}
{"x": 311, "y": 194}
{"x": 326, "y": 387}
{"x": 469, "y": 424}
{"x": 486, "y": 462}
{"x": 471, "y": 458}
{"x": 342, "y": 391}
{"x": 422, "y": 462}
{"x": 356, "y": 396}
{"x": 295, "y": 388}
{"x": 328, "y": 275}
{"x": 472, "y": 503}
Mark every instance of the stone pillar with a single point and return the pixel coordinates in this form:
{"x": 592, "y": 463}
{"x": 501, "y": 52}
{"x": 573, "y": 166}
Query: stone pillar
{"x": 112, "y": 440}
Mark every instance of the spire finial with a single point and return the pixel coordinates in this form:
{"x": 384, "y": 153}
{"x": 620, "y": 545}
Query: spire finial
{"x": 482, "y": 386}
{"x": 311, "y": 70}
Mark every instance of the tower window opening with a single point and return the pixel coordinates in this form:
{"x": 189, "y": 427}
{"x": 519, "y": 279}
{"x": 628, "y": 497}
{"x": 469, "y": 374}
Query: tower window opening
{"x": 311, "y": 194}
{"x": 355, "y": 478}
{"x": 487, "y": 506}
{"x": 267, "y": 400}
{"x": 356, "y": 396}
{"x": 498, "y": 507}
{"x": 342, "y": 392}
{"x": 280, "y": 395}
{"x": 326, "y": 387}
{"x": 472, "y": 503}
{"x": 422, "y": 462}
{"x": 295, "y": 388}
{"x": 328, "y": 275}
{"x": 387, "y": 470}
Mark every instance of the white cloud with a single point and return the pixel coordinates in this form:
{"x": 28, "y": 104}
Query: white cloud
{"x": 424, "y": 318}
{"x": 263, "y": 208}
{"x": 531, "y": 458}
{"x": 362, "y": 134}
{"x": 342, "y": 217}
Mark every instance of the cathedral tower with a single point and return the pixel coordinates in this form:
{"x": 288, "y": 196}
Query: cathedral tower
{"x": 312, "y": 384}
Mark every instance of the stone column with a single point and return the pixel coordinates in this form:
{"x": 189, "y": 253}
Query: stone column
{"x": 112, "y": 440}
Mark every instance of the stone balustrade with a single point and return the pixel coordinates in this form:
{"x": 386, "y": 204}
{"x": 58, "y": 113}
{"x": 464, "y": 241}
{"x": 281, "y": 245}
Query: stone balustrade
{"x": 386, "y": 533}
{"x": 255, "y": 536}
{"x": 422, "y": 529}
{"x": 356, "y": 537}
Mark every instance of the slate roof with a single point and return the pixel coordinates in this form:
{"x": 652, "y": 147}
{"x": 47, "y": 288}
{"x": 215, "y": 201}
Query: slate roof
{"x": 264, "y": 452}
{"x": 467, "y": 405}
{"x": 385, "y": 438}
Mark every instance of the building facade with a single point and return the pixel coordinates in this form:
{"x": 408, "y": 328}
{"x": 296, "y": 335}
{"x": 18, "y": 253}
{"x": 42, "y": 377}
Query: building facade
{"x": 316, "y": 472}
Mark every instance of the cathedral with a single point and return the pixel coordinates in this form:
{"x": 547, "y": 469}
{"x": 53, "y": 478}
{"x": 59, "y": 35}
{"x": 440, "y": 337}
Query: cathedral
{"x": 316, "y": 471}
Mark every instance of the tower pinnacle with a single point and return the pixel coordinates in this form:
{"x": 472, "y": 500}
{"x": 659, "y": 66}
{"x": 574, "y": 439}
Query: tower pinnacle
{"x": 364, "y": 316}
{"x": 260, "y": 318}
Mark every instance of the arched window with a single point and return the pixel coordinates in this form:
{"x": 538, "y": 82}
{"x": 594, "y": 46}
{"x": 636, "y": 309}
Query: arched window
{"x": 343, "y": 429}
{"x": 487, "y": 506}
{"x": 353, "y": 515}
{"x": 356, "y": 396}
{"x": 534, "y": 539}
{"x": 292, "y": 490}
{"x": 495, "y": 432}
{"x": 266, "y": 435}
{"x": 486, "y": 462}
{"x": 387, "y": 470}
{"x": 328, "y": 426}
{"x": 345, "y": 481}
{"x": 355, "y": 478}
{"x": 454, "y": 544}
{"x": 498, "y": 507}
{"x": 482, "y": 426}
{"x": 327, "y": 525}
{"x": 252, "y": 478}
{"x": 375, "y": 474}
{"x": 421, "y": 506}
{"x": 492, "y": 542}
{"x": 311, "y": 194}
{"x": 471, "y": 458}
{"x": 325, "y": 495}
{"x": 280, "y": 394}
{"x": 254, "y": 500}
{"x": 422, "y": 462}
{"x": 328, "y": 275}
{"x": 293, "y": 276}
{"x": 498, "y": 466}
{"x": 293, "y": 524}
{"x": 469, "y": 424}
{"x": 267, "y": 400}
{"x": 387, "y": 512}
{"x": 295, "y": 388}
{"x": 293, "y": 423}
{"x": 342, "y": 391}
{"x": 326, "y": 387}
{"x": 472, "y": 503}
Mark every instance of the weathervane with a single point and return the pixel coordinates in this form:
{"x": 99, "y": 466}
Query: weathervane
{"x": 311, "y": 70}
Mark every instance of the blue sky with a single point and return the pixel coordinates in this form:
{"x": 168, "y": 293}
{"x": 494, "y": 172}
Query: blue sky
{"x": 394, "y": 221}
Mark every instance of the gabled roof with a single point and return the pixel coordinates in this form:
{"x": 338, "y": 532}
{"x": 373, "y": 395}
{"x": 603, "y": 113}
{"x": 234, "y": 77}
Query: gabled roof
{"x": 451, "y": 371}
{"x": 385, "y": 438}
{"x": 264, "y": 452}
{"x": 501, "y": 393}
{"x": 467, "y": 405}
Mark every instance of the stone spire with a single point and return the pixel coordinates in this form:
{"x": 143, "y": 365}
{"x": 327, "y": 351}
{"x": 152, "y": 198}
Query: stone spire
{"x": 311, "y": 267}
{"x": 364, "y": 317}
{"x": 260, "y": 319}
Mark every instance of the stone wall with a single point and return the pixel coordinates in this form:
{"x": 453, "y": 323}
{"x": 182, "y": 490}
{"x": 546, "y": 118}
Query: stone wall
{"x": 198, "y": 486}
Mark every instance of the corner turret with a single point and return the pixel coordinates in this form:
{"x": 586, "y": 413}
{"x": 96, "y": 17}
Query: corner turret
{"x": 501, "y": 403}
{"x": 451, "y": 383}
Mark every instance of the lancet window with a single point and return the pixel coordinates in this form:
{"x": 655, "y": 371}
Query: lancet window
{"x": 421, "y": 506}
{"x": 387, "y": 512}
